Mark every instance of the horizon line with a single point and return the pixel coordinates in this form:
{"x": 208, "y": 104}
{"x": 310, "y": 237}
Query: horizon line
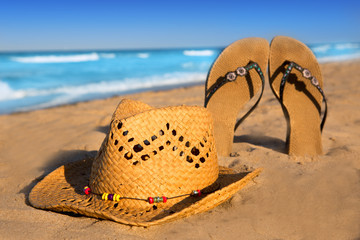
{"x": 142, "y": 48}
{"x": 109, "y": 49}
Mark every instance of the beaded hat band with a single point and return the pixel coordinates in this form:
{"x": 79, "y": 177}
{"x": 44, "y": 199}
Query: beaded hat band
{"x": 117, "y": 197}
{"x": 154, "y": 166}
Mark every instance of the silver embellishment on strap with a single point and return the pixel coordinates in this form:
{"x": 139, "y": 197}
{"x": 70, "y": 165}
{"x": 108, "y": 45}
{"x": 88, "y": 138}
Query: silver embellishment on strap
{"x": 241, "y": 71}
{"x": 231, "y": 76}
{"x": 306, "y": 73}
{"x": 314, "y": 81}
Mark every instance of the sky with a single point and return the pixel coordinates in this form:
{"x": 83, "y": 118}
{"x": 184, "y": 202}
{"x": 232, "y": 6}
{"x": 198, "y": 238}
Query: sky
{"x": 32, "y": 25}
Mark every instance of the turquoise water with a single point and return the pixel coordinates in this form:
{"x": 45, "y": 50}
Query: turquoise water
{"x": 34, "y": 80}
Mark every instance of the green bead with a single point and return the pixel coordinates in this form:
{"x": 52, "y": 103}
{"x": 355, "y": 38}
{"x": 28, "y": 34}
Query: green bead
{"x": 157, "y": 199}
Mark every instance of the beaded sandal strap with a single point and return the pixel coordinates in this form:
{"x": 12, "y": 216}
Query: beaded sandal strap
{"x": 231, "y": 77}
{"x": 306, "y": 74}
{"x": 117, "y": 197}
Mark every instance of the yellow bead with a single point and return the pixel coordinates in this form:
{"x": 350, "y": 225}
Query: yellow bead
{"x": 104, "y": 196}
{"x": 116, "y": 197}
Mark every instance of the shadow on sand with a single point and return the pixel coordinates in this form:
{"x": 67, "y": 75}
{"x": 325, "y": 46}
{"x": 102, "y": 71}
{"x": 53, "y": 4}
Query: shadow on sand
{"x": 263, "y": 141}
{"x": 62, "y": 158}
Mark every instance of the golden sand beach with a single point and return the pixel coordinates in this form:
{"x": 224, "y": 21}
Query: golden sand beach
{"x": 294, "y": 197}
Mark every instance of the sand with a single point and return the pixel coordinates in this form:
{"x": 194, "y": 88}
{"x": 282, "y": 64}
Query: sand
{"x": 294, "y": 198}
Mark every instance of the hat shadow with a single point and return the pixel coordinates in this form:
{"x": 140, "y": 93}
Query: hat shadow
{"x": 223, "y": 181}
{"x": 273, "y": 143}
{"x": 62, "y": 158}
{"x": 103, "y": 129}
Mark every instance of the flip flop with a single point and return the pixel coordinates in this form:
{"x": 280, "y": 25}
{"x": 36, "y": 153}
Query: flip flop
{"x": 234, "y": 78}
{"x": 296, "y": 80}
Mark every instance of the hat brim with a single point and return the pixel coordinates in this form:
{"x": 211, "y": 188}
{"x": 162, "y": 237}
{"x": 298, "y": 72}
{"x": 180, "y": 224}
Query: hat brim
{"x": 62, "y": 191}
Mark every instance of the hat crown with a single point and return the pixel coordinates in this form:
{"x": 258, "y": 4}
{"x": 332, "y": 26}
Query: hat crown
{"x": 158, "y": 152}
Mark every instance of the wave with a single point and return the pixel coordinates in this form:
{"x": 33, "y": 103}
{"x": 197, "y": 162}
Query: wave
{"x": 343, "y": 46}
{"x": 339, "y": 58}
{"x": 107, "y": 55}
{"x": 67, "y": 94}
{"x": 77, "y": 93}
{"x": 58, "y": 58}
{"x": 321, "y": 48}
{"x": 198, "y": 53}
{"x": 143, "y": 55}
{"x": 7, "y": 93}
{"x": 187, "y": 65}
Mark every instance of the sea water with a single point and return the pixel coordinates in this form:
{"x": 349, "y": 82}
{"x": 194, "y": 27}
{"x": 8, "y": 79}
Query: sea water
{"x": 35, "y": 80}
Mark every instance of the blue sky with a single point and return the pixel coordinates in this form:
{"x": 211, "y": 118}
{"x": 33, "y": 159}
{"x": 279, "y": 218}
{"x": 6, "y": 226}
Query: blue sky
{"x": 80, "y": 24}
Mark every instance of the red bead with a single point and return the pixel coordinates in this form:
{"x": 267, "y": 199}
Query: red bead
{"x": 87, "y": 190}
{"x": 199, "y": 192}
{"x": 151, "y": 200}
{"x": 164, "y": 199}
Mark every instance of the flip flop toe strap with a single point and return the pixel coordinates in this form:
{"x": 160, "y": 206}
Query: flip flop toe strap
{"x": 231, "y": 77}
{"x": 306, "y": 74}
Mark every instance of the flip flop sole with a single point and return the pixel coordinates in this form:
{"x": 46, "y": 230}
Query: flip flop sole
{"x": 228, "y": 100}
{"x": 301, "y": 101}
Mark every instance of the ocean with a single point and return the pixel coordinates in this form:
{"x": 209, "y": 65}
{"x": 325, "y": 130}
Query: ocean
{"x": 36, "y": 80}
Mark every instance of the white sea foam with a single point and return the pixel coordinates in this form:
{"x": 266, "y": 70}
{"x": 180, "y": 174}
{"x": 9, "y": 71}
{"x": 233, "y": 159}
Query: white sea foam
{"x": 339, "y": 58}
{"x": 198, "y": 52}
{"x": 187, "y": 65}
{"x": 342, "y": 46}
{"x": 75, "y": 93}
{"x": 203, "y": 66}
{"x": 143, "y": 55}
{"x": 321, "y": 49}
{"x": 7, "y": 93}
{"x": 58, "y": 58}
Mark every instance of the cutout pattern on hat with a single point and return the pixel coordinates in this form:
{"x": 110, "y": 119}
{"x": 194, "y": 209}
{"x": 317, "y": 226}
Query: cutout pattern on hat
{"x": 168, "y": 157}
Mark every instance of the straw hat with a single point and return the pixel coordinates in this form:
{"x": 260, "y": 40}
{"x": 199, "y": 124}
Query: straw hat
{"x": 155, "y": 165}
